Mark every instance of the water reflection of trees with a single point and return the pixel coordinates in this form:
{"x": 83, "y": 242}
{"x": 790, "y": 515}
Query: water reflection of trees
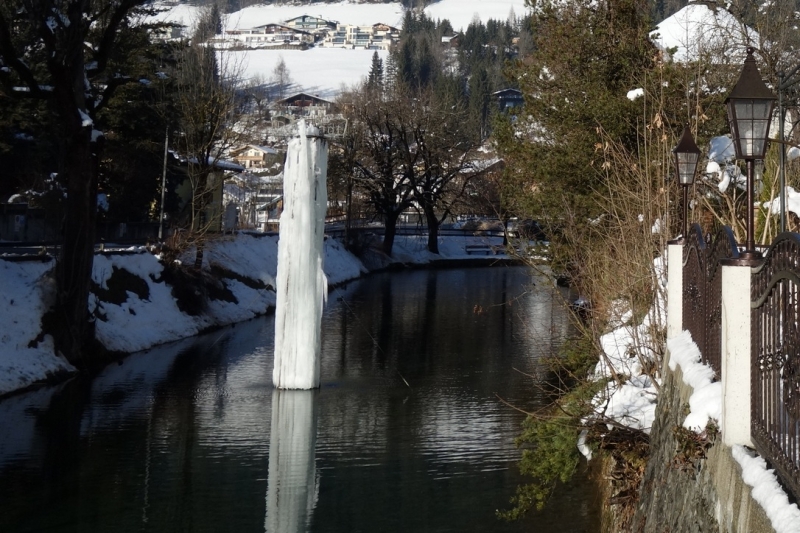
{"x": 181, "y": 439}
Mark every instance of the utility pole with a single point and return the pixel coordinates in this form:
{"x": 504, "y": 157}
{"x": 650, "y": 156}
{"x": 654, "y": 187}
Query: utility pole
{"x": 163, "y": 186}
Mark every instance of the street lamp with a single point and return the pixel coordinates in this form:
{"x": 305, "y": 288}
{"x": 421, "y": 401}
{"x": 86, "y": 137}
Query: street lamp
{"x": 750, "y": 105}
{"x": 687, "y": 155}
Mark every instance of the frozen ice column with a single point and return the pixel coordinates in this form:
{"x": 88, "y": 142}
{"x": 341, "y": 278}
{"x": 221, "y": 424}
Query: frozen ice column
{"x": 301, "y": 284}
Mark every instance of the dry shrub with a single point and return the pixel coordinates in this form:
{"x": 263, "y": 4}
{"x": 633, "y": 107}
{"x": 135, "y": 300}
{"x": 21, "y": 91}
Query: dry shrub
{"x": 615, "y": 253}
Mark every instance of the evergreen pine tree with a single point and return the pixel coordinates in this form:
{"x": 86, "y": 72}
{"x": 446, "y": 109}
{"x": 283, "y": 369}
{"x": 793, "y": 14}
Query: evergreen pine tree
{"x": 216, "y": 19}
{"x": 480, "y": 95}
{"x": 390, "y": 73}
{"x": 575, "y": 83}
{"x": 406, "y": 68}
{"x": 375, "y": 79}
{"x": 425, "y": 64}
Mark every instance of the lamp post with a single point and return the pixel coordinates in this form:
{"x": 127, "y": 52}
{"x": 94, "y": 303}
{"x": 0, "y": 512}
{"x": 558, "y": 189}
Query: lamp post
{"x": 687, "y": 155}
{"x": 750, "y": 105}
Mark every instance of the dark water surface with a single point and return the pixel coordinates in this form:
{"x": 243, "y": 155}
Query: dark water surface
{"x": 406, "y": 433}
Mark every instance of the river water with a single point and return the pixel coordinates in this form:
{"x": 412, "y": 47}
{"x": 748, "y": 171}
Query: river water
{"x": 406, "y": 433}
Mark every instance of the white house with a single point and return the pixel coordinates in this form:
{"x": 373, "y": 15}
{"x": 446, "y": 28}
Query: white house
{"x": 254, "y": 156}
{"x": 375, "y": 37}
{"x": 270, "y": 35}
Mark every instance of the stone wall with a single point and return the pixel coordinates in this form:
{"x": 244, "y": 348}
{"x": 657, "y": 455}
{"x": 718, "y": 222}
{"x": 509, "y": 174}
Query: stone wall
{"x": 707, "y": 495}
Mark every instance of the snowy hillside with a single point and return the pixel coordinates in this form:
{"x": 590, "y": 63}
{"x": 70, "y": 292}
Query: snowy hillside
{"x": 342, "y": 12}
{"x": 459, "y": 12}
{"x": 319, "y": 71}
{"x": 324, "y": 72}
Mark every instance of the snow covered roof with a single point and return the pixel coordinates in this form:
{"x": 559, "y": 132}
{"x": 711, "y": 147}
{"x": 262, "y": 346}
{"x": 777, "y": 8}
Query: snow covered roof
{"x": 385, "y": 27}
{"x": 275, "y": 25}
{"x": 508, "y": 91}
{"x": 219, "y": 164}
{"x": 698, "y": 30}
{"x": 311, "y": 18}
{"x": 270, "y": 204}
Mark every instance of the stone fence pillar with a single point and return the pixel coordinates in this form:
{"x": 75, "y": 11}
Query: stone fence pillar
{"x": 674, "y": 295}
{"x": 736, "y": 355}
{"x": 674, "y": 290}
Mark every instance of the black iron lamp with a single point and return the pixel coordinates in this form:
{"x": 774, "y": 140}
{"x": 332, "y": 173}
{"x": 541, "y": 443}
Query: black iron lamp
{"x": 687, "y": 155}
{"x": 750, "y": 106}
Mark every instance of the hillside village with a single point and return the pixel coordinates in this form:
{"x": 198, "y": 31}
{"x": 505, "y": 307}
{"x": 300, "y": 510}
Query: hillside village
{"x": 307, "y": 30}
{"x": 250, "y": 185}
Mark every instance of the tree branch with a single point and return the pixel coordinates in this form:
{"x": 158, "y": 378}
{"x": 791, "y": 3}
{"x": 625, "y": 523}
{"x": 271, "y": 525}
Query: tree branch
{"x": 10, "y": 61}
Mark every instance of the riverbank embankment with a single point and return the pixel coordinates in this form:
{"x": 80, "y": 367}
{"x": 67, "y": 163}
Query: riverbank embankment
{"x": 692, "y": 484}
{"x": 138, "y": 302}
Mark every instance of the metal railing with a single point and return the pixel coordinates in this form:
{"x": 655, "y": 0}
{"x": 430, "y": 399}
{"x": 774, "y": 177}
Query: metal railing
{"x": 775, "y": 359}
{"x": 723, "y": 246}
{"x": 338, "y": 232}
{"x": 695, "y": 256}
{"x": 702, "y": 287}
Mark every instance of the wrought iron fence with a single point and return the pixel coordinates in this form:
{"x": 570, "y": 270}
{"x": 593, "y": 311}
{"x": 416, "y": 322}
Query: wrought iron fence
{"x": 723, "y": 246}
{"x": 775, "y": 362}
{"x": 702, "y": 288}
{"x": 695, "y": 256}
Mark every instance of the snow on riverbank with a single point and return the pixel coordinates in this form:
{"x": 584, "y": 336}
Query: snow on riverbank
{"x": 26, "y": 291}
{"x": 135, "y": 307}
{"x": 630, "y": 396}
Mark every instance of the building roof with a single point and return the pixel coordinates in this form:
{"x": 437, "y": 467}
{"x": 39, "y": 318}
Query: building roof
{"x": 304, "y": 96}
{"x": 447, "y": 38}
{"x": 507, "y": 92}
{"x": 271, "y": 203}
{"x": 217, "y": 163}
{"x": 271, "y": 25}
{"x": 265, "y": 149}
{"x": 225, "y": 165}
{"x": 306, "y": 17}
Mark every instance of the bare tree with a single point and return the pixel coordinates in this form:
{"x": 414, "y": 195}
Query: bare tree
{"x": 380, "y": 170}
{"x": 281, "y": 78}
{"x": 208, "y": 127}
{"x": 444, "y": 161}
{"x": 411, "y": 151}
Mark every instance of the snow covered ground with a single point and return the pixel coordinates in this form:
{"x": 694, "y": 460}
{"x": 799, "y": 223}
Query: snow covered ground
{"x": 630, "y": 396}
{"x": 459, "y": 12}
{"x": 325, "y": 71}
{"x": 632, "y": 402}
{"x": 341, "y": 12}
{"x": 150, "y": 315}
{"x": 26, "y": 291}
